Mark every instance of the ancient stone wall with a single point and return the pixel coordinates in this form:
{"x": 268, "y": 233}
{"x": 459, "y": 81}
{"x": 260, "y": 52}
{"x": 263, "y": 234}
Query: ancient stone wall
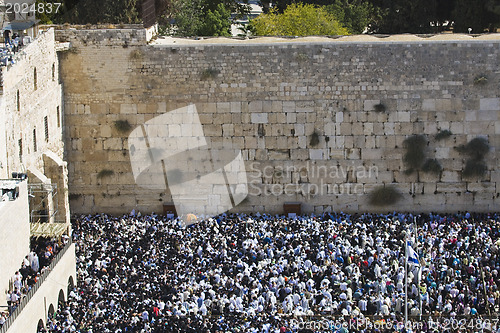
{"x": 31, "y": 92}
{"x": 322, "y": 123}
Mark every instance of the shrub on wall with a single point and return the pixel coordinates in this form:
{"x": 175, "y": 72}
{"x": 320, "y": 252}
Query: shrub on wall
{"x": 383, "y": 196}
{"x": 480, "y": 80}
{"x": 314, "y": 139}
{"x": 122, "y": 126}
{"x": 379, "y": 107}
{"x": 474, "y": 168}
{"x": 415, "y": 155}
{"x": 209, "y": 73}
{"x": 432, "y": 166}
{"x": 443, "y": 135}
{"x": 105, "y": 173}
{"x": 476, "y": 149}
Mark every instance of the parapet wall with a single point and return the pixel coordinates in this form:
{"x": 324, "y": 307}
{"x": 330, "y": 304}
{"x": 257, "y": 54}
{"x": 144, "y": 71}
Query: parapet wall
{"x": 15, "y": 237}
{"x": 319, "y": 122}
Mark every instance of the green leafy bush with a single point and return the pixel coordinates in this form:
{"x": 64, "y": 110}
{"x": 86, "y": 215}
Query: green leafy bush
{"x": 481, "y": 80}
{"x": 476, "y": 148}
{"x": 297, "y": 20}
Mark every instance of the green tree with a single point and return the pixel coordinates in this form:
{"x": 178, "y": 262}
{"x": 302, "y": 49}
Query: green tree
{"x": 355, "y": 15}
{"x": 204, "y": 17}
{"x": 101, "y": 11}
{"x": 217, "y": 22}
{"x": 480, "y": 15}
{"x": 407, "y": 16}
{"x": 298, "y": 20}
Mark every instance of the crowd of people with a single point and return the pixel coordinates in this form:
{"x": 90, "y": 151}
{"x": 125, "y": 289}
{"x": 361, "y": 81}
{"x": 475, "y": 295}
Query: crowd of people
{"x": 240, "y": 273}
{"x": 12, "y": 45}
{"x": 34, "y": 266}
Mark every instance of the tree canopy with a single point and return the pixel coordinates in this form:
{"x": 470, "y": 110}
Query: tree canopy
{"x": 214, "y": 17}
{"x": 297, "y": 20}
{"x": 406, "y": 16}
{"x": 357, "y": 16}
{"x": 201, "y": 18}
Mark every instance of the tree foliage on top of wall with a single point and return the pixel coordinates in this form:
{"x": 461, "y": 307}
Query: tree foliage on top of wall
{"x": 297, "y": 20}
{"x": 96, "y": 11}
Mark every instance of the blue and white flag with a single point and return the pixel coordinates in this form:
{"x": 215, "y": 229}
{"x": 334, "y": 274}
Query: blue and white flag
{"x": 412, "y": 255}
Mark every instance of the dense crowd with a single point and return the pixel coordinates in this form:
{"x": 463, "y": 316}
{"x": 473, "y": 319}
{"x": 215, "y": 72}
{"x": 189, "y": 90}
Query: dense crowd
{"x": 240, "y": 273}
{"x": 33, "y": 266}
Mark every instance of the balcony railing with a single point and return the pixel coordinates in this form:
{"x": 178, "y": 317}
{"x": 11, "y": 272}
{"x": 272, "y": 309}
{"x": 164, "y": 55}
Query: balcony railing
{"x": 33, "y": 290}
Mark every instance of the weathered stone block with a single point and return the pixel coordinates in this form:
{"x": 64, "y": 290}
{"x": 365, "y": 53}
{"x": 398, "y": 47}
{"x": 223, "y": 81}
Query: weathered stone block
{"x": 259, "y": 118}
{"x": 489, "y": 104}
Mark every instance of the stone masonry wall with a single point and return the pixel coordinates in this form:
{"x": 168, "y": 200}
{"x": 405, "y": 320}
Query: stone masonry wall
{"x": 25, "y": 103}
{"x": 31, "y": 110}
{"x": 319, "y": 123}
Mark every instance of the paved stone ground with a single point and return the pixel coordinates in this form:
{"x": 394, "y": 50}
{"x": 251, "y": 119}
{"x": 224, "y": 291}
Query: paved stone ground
{"x": 353, "y": 38}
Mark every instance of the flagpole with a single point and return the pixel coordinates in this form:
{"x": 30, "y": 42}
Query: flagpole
{"x": 406, "y": 281}
{"x": 419, "y": 274}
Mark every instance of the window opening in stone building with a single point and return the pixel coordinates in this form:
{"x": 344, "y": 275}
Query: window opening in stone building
{"x": 34, "y": 78}
{"x": 34, "y": 140}
{"x": 18, "y": 101}
{"x": 46, "y": 124}
{"x": 20, "y": 144}
{"x": 58, "y": 117}
{"x": 53, "y": 72}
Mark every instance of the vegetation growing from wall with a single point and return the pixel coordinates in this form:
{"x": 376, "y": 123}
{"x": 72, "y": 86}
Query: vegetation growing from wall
{"x": 314, "y": 139}
{"x": 481, "y": 80}
{"x": 379, "y": 107}
{"x": 414, "y": 157}
{"x": 105, "y": 173}
{"x": 122, "y": 126}
{"x": 432, "y": 166}
{"x": 209, "y": 73}
{"x": 384, "y": 196}
{"x": 476, "y": 150}
{"x": 443, "y": 135}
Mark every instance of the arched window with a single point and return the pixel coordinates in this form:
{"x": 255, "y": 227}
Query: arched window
{"x": 18, "y": 102}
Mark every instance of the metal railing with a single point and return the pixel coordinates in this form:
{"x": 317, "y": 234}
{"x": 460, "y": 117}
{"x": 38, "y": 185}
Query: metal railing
{"x": 24, "y": 300}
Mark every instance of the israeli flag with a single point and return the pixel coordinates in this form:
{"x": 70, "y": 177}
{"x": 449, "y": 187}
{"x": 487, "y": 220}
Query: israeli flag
{"x": 412, "y": 255}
